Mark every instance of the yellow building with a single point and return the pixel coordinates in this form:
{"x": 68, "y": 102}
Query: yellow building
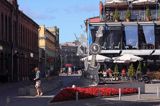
{"x": 47, "y": 45}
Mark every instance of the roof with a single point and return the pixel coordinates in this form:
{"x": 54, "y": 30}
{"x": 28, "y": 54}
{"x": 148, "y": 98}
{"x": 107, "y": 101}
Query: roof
{"x": 95, "y": 19}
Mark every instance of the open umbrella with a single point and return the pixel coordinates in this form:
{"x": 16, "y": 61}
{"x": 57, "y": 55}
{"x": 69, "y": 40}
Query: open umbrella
{"x": 99, "y": 58}
{"x": 115, "y": 2}
{"x": 140, "y": 2}
{"x": 68, "y": 65}
{"x": 126, "y": 58}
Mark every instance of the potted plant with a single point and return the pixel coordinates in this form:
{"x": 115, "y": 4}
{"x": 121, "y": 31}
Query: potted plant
{"x": 131, "y": 72}
{"x": 139, "y": 71}
{"x": 116, "y": 72}
{"x": 158, "y": 14}
{"x": 128, "y": 15}
{"x": 116, "y": 15}
{"x": 148, "y": 14}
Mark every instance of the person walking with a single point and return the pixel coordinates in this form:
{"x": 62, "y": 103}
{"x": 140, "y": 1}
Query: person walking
{"x": 37, "y": 79}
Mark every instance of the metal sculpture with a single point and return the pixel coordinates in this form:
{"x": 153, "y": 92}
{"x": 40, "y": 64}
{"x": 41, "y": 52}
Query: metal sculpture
{"x": 91, "y": 73}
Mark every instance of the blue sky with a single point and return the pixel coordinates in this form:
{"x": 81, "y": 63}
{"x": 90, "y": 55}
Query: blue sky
{"x": 68, "y": 15}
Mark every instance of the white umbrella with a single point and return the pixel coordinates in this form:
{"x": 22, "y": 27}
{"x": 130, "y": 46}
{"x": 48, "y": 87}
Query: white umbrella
{"x": 115, "y": 2}
{"x": 126, "y": 58}
{"x": 139, "y": 2}
{"x": 99, "y": 58}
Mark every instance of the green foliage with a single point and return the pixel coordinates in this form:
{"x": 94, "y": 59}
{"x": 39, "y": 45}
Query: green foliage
{"x": 148, "y": 12}
{"x": 116, "y": 72}
{"x": 139, "y": 68}
{"x": 159, "y": 12}
{"x": 128, "y": 14}
{"x": 139, "y": 71}
{"x": 116, "y": 15}
{"x": 131, "y": 71}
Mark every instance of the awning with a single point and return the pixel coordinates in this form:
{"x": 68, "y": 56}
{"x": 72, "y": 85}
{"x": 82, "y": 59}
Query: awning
{"x": 137, "y": 52}
{"x": 156, "y": 52}
{"x": 110, "y": 51}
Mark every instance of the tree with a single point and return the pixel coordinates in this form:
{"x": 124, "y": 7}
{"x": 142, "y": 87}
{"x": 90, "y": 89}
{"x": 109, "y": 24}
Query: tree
{"x": 116, "y": 72}
{"x": 131, "y": 71}
{"x": 116, "y": 15}
{"x": 128, "y": 15}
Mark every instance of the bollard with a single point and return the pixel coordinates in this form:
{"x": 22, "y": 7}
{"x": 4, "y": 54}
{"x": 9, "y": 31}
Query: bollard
{"x": 119, "y": 93}
{"x": 139, "y": 93}
{"x": 76, "y": 96}
{"x": 158, "y": 92}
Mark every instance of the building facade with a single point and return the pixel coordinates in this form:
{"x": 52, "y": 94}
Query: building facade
{"x": 138, "y": 36}
{"x": 55, "y": 30}
{"x": 69, "y": 55}
{"x": 47, "y": 42}
{"x": 18, "y": 42}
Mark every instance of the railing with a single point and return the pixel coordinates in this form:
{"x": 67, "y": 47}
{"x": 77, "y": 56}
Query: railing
{"x": 136, "y": 15}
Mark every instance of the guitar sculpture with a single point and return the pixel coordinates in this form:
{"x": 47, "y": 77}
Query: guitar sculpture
{"x": 91, "y": 73}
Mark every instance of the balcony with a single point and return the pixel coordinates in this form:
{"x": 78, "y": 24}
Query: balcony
{"x": 137, "y": 8}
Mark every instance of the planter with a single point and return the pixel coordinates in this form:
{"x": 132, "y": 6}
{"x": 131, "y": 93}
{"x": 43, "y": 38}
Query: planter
{"x": 127, "y": 20}
{"x": 90, "y": 92}
{"x": 148, "y": 18}
{"x": 115, "y": 20}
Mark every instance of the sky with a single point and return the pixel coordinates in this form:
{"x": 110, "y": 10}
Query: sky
{"x": 68, "y": 15}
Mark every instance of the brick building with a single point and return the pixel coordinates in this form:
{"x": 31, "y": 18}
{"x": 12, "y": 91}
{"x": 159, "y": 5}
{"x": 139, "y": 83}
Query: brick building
{"x": 18, "y": 42}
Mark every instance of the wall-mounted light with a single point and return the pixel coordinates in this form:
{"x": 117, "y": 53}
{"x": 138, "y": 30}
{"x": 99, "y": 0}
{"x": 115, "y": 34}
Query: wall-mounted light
{"x": 31, "y": 55}
{"x": 1, "y": 47}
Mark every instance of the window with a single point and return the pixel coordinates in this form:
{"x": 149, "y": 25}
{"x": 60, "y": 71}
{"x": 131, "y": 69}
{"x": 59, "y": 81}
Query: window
{"x": 149, "y": 34}
{"x": 131, "y": 34}
{"x": 112, "y": 37}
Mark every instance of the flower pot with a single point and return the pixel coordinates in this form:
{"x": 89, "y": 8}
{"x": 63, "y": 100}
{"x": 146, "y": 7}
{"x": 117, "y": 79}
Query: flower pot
{"x": 116, "y": 20}
{"x": 127, "y": 19}
{"x": 148, "y": 18}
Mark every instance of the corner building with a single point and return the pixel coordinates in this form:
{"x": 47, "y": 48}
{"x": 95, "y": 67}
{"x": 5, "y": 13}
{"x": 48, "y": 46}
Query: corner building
{"x": 140, "y": 35}
{"x": 18, "y": 43}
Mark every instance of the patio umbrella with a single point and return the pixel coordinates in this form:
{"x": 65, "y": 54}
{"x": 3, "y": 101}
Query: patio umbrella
{"x": 140, "y": 2}
{"x": 126, "y": 58}
{"x": 115, "y": 2}
{"x": 68, "y": 65}
{"x": 99, "y": 58}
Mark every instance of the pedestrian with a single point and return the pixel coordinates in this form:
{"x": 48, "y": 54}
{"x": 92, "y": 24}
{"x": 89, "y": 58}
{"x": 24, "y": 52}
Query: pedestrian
{"x": 37, "y": 79}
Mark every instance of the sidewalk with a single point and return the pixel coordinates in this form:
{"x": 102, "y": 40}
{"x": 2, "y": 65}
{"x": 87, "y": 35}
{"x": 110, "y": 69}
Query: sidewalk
{"x": 130, "y": 100}
{"x": 11, "y": 90}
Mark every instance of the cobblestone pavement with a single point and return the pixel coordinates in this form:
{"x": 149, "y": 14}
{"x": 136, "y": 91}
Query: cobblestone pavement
{"x": 9, "y": 96}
